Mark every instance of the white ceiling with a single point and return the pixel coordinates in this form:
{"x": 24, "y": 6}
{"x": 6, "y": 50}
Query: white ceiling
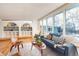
{"x": 26, "y": 11}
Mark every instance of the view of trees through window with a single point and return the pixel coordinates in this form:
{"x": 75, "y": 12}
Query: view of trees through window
{"x": 50, "y": 24}
{"x": 72, "y": 21}
{"x": 58, "y": 24}
{"x": 67, "y": 21}
{"x": 44, "y": 26}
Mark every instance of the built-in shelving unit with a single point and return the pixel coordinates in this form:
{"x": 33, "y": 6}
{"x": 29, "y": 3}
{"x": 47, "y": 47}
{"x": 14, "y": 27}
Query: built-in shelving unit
{"x": 12, "y": 30}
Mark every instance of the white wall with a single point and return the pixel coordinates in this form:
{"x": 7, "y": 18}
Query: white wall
{"x": 36, "y": 27}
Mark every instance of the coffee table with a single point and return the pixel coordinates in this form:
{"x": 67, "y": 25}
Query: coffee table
{"x": 40, "y": 48}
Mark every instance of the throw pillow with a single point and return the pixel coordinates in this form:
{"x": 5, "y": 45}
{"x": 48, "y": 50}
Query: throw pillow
{"x": 49, "y": 37}
{"x": 61, "y": 40}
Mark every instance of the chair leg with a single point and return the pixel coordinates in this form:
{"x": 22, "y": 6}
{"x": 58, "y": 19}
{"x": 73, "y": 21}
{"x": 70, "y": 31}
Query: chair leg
{"x": 11, "y": 48}
{"x": 18, "y": 48}
{"x": 31, "y": 46}
{"x": 41, "y": 52}
{"x": 22, "y": 45}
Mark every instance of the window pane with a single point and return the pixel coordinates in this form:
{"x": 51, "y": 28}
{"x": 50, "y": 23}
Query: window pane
{"x": 59, "y": 20}
{"x": 40, "y": 22}
{"x": 49, "y": 24}
{"x": 44, "y": 25}
{"x": 58, "y": 24}
{"x": 41, "y": 26}
{"x": 72, "y": 21}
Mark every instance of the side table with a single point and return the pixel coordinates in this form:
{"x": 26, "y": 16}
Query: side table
{"x": 41, "y": 48}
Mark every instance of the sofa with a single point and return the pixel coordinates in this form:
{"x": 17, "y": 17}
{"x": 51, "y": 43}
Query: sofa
{"x": 68, "y": 50}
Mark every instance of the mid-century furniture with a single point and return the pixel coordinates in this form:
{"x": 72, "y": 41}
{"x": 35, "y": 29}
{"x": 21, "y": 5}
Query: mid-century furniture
{"x": 16, "y": 45}
{"x": 68, "y": 50}
{"x": 41, "y": 48}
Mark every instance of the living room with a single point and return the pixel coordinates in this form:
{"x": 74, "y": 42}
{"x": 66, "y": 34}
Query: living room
{"x": 24, "y": 24}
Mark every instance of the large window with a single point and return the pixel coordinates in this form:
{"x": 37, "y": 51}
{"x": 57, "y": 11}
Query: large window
{"x": 41, "y": 23}
{"x": 58, "y": 24}
{"x": 66, "y": 22}
{"x": 50, "y": 25}
{"x": 44, "y": 26}
{"x": 72, "y": 21}
{"x": 41, "y": 26}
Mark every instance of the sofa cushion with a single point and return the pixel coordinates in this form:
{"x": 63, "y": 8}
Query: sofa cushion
{"x": 49, "y": 37}
{"x": 58, "y": 40}
{"x": 50, "y": 41}
{"x": 61, "y": 40}
{"x": 55, "y": 39}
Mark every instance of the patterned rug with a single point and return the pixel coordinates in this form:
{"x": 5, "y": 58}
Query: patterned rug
{"x": 26, "y": 51}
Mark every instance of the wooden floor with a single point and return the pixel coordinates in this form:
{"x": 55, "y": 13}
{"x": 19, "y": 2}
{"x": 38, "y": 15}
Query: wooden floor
{"x": 5, "y": 44}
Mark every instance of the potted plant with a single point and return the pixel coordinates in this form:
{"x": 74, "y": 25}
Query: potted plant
{"x": 38, "y": 40}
